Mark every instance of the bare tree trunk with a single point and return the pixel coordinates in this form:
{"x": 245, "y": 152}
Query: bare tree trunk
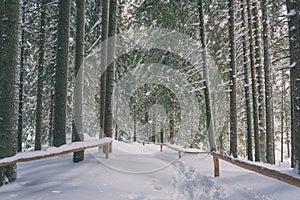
{"x": 253, "y": 78}
{"x": 40, "y": 82}
{"x": 51, "y": 116}
{"x": 293, "y": 9}
{"x": 108, "y": 125}
{"x": 268, "y": 88}
{"x": 9, "y": 59}
{"x": 103, "y": 64}
{"x": 208, "y": 111}
{"x": 247, "y": 84}
{"x": 21, "y": 84}
{"x": 77, "y": 124}
{"x": 261, "y": 140}
{"x": 233, "y": 89}
{"x": 61, "y": 74}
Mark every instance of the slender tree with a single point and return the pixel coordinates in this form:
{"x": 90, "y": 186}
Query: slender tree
{"x": 61, "y": 74}
{"x": 9, "y": 50}
{"x": 104, "y": 37}
{"x": 268, "y": 87}
{"x": 108, "y": 125}
{"x": 40, "y": 82}
{"x": 208, "y": 111}
{"x": 260, "y": 142}
{"x": 293, "y": 9}
{"x": 21, "y": 84}
{"x": 233, "y": 89}
{"x": 77, "y": 124}
{"x": 246, "y": 83}
{"x": 253, "y": 79}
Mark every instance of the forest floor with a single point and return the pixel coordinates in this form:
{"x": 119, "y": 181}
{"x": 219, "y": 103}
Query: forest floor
{"x": 137, "y": 172}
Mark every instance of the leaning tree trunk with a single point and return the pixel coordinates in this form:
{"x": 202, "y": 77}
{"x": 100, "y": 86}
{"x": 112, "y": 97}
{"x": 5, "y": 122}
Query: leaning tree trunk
{"x": 247, "y": 84}
{"x": 233, "y": 89}
{"x": 253, "y": 78}
{"x": 9, "y": 57}
{"x": 268, "y": 87}
{"x": 61, "y": 74}
{"x": 208, "y": 108}
{"x": 77, "y": 123}
{"x": 40, "y": 82}
{"x": 293, "y": 8}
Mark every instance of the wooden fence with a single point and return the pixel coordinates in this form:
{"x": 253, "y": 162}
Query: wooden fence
{"x": 65, "y": 149}
{"x": 289, "y": 179}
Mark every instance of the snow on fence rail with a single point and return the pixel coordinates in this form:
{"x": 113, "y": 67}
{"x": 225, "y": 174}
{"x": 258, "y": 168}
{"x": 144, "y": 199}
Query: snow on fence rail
{"x": 289, "y": 179}
{"x": 258, "y": 169}
{"x": 57, "y": 151}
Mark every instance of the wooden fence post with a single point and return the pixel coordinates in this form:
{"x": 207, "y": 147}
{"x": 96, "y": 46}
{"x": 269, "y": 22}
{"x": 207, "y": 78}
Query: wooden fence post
{"x": 107, "y": 150}
{"x": 161, "y": 147}
{"x": 216, "y": 166}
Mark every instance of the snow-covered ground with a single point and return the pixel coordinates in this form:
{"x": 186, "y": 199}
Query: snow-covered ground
{"x": 140, "y": 172}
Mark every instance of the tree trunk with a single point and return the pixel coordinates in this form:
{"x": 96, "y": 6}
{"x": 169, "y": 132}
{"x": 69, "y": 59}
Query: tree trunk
{"x": 233, "y": 90}
{"x": 268, "y": 88}
{"x": 9, "y": 58}
{"x": 103, "y": 64}
{"x": 108, "y": 124}
{"x": 40, "y": 82}
{"x": 253, "y": 78}
{"x": 77, "y": 124}
{"x": 208, "y": 111}
{"x": 261, "y": 140}
{"x": 247, "y": 84}
{"x": 293, "y": 9}
{"x": 61, "y": 74}
{"x": 51, "y": 116}
{"x": 21, "y": 84}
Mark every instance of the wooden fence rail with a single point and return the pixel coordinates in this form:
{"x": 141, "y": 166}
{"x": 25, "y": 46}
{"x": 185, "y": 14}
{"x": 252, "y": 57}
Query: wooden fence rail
{"x": 65, "y": 149}
{"x": 289, "y": 179}
{"x": 258, "y": 169}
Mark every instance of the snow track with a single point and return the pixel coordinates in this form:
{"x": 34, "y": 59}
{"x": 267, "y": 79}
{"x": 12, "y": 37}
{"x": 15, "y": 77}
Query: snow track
{"x": 189, "y": 178}
{"x": 189, "y": 184}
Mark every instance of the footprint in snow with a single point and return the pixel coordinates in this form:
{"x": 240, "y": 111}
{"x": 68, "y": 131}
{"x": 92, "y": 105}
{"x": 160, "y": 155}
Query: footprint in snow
{"x": 189, "y": 184}
{"x": 136, "y": 197}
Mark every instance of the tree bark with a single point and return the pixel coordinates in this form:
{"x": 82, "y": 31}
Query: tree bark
{"x": 233, "y": 89}
{"x": 61, "y": 74}
{"x": 247, "y": 84}
{"x": 110, "y": 74}
{"x": 77, "y": 124}
{"x": 253, "y": 78}
{"x": 40, "y": 82}
{"x": 293, "y": 9}
{"x": 104, "y": 37}
{"x": 21, "y": 84}
{"x": 270, "y": 154}
{"x": 9, "y": 59}
{"x": 261, "y": 140}
{"x": 208, "y": 108}
{"x": 110, "y": 69}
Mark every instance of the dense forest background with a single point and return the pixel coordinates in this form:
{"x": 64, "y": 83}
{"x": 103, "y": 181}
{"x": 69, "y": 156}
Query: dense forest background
{"x": 254, "y": 45}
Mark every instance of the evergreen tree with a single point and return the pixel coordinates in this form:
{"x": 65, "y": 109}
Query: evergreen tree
{"x": 61, "y": 74}
{"x": 233, "y": 89}
{"x": 40, "y": 84}
{"x": 77, "y": 131}
{"x": 108, "y": 122}
{"x": 9, "y": 55}
{"x": 293, "y": 9}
